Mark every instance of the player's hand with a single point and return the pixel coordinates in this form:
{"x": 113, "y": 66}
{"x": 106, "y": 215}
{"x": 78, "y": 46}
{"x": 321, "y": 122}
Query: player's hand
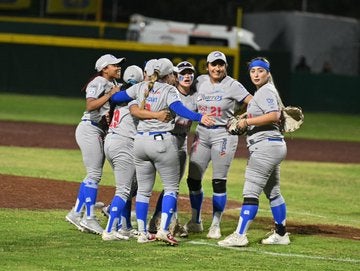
{"x": 113, "y": 90}
{"x": 207, "y": 120}
{"x": 164, "y": 116}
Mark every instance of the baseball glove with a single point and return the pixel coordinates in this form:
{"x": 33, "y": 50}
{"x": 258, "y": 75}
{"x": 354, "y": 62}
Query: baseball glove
{"x": 232, "y": 125}
{"x": 292, "y": 118}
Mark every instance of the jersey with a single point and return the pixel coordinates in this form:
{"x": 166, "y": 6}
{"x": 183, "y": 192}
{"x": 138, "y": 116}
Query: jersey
{"x": 123, "y": 123}
{"x": 95, "y": 89}
{"x": 159, "y": 98}
{"x": 183, "y": 125}
{"x": 219, "y": 99}
{"x": 263, "y": 102}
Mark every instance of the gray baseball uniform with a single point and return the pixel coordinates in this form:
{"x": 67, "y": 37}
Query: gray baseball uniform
{"x": 152, "y": 153}
{"x": 267, "y": 147}
{"x": 118, "y": 147}
{"x": 89, "y": 133}
{"x": 215, "y": 143}
{"x": 182, "y": 128}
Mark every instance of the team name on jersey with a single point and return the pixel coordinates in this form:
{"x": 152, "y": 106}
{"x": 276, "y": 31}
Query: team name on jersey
{"x": 152, "y": 99}
{"x": 210, "y": 98}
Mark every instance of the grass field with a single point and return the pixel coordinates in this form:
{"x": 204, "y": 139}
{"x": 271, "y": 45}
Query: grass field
{"x": 316, "y": 193}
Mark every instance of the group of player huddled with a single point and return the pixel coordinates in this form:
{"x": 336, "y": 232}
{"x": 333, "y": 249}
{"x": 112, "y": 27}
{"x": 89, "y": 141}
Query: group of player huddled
{"x": 141, "y": 127}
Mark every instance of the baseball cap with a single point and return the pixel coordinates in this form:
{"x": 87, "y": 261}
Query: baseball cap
{"x": 184, "y": 65}
{"x": 105, "y": 60}
{"x": 133, "y": 74}
{"x": 164, "y": 66}
{"x": 216, "y": 55}
{"x": 149, "y": 67}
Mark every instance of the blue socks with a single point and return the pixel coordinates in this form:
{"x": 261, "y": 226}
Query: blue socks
{"x": 90, "y": 193}
{"x": 168, "y": 208}
{"x": 116, "y": 207}
{"x": 142, "y": 207}
{"x": 278, "y": 209}
{"x": 196, "y": 199}
{"x": 247, "y": 215}
{"x": 80, "y": 201}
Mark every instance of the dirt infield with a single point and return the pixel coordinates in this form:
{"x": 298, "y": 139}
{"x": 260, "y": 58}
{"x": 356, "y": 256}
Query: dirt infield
{"x": 32, "y": 193}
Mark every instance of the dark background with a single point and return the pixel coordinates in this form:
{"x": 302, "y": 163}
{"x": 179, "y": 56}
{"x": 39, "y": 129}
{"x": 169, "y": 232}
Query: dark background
{"x": 205, "y": 11}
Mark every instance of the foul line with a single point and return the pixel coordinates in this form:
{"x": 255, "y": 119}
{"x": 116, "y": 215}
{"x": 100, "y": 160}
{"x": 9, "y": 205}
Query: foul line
{"x": 278, "y": 254}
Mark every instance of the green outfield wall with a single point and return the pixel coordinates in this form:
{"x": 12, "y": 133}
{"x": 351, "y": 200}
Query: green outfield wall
{"x": 43, "y": 64}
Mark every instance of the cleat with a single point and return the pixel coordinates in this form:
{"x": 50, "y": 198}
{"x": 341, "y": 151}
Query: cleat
{"x": 166, "y": 237}
{"x": 130, "y": 233}
{"x": 113, "y": 236}
{"x": 194, "y": 227}
{"x": 154, "y": 224}
{"x": 75, "y": 218}
{"x": 91, "y": 224}
{"x": 176, "y": 229}
{"x": 234, "y": 240}
{"x": 276, "y": 239}
{"x": 214, "y": 232}
{"x": 144, "y": 237}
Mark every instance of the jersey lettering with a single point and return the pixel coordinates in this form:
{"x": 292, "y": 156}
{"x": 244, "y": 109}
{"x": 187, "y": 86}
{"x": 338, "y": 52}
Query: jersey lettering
{"x": 215, "y": 111}
{"x": 116, "y": 119}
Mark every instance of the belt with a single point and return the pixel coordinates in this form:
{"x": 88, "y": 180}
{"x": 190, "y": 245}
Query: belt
{"x": 152, "y": 133}
{"x": 212, "y": 127}
{"x": 92, "y": 122}
{"x": 253, "y": 141}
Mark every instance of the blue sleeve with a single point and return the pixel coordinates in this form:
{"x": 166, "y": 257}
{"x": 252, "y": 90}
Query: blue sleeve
{"x": 184, "y": 112}
{"x": 120, "y": 97}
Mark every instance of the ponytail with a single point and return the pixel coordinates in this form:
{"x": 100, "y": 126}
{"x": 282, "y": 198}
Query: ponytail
{"x": 153, "y": 78}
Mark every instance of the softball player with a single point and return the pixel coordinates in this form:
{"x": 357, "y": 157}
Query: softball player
{"x": 218, "y": 94}
{"x": 267, "y": 149}
{"x": 90, "y": 134}
{"x": 118, "y": 148}
{"x": 185, "y": 77}
{"x": 155, "y": 147}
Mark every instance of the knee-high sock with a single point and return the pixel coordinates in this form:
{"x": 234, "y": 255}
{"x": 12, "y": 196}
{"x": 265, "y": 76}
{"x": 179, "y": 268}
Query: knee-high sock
{"x": 167, "y": 209}
{"x": 247, "y": 215}
{"x": 80, "y": 200}
{"x": 278, "y": 209}
{"x": 219, "y": 203}
{"x": 142, "y": 207}
{"x": 90, "y": 194}
{"x": 116, "y": 207}
{"x": 196, "y": 199}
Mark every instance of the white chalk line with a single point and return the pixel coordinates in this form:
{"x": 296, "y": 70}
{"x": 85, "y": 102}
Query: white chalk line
{"x": 290, "y": 255}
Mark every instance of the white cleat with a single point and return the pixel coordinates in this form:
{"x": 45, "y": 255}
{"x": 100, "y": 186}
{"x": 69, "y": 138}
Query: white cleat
{"x": 214, "y": 232}
{"x": 144, "y": 237}
{"x": 276, "y": 239}
{"x": 113, "y": 236}
{"x": 75, "y": 218}
{"x": 91, "y": 224}
{"x": 234, "y": 240}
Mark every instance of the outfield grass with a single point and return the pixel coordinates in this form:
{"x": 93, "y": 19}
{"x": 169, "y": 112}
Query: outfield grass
{"x": 322, "y": 126}
{"x": 316, "y": 193}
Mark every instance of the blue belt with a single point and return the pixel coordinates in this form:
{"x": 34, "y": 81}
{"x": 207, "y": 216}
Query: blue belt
{"x": 252, "y": 141}
{"x": 152, "y": 133}
{"x": 275, "y": 139}
{"x": 92, "y": 122}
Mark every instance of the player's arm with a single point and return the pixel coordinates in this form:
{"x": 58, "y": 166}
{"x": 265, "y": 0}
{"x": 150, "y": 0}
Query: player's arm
{"x": 163, "y": 115}
{"x": 268, "y": 118}
{"x": 96, "y": 103}
{"x": 247, "y": 99}
{"x": 120, "y": 97}
{"x": 184, "y": 112}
